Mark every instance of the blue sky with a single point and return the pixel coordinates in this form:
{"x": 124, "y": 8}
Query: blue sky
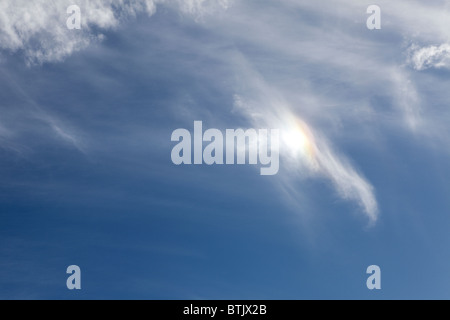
{"x": 87, "y": 178}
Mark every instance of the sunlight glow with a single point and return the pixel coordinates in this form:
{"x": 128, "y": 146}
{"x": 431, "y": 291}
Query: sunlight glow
{"x": 299, "y": 141}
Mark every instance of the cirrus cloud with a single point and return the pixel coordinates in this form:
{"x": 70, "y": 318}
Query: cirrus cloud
{"x": 38, "y": 29}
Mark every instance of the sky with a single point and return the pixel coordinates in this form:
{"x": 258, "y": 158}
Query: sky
{"x": 86, "y": 176}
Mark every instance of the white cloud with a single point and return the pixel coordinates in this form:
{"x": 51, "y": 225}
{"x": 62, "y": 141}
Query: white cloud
{"x": 407, "y": 100}
{"x": 38, "y": 28}
{"x": 430, "y": 57}
{"x": 199, "y": 8}
{"x": 304, "y": 150}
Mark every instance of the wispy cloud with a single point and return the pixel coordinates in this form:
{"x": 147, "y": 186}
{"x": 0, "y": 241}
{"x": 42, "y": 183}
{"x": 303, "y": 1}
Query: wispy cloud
{"x": 63, "y": 133}
{"x": 36, "y": 115}
{"x": 305, "y": 150}
{"x": 38, "y": 28}
{"x": 315, "y": 70}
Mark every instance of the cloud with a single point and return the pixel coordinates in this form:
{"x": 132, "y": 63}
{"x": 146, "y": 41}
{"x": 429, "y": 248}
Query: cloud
{"x": 38, "y": 28}
{"x": 308, "y": 155}
{"x": 27, "y": 115}
{"x": 306, "y": 152}
{"x": 437, "y": 57}
{"x": 316, "y": 64}
{"x": 64, "y": 133}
